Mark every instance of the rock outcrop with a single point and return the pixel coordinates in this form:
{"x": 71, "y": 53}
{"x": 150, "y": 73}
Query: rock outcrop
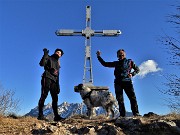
{"x": 149, "y": 124}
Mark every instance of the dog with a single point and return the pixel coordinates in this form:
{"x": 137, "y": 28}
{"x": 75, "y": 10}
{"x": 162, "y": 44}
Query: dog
{"x": 95, "y": 98}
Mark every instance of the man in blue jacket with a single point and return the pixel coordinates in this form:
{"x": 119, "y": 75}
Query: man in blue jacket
{"x": 122, "y": 81}
{"x": 50, "y": 82}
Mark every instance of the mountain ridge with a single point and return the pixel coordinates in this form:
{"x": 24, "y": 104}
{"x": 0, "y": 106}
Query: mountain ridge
{"x": 67, "y": 110}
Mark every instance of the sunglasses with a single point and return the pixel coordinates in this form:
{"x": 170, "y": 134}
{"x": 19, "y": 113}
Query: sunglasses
{"x": 121, "y": 55}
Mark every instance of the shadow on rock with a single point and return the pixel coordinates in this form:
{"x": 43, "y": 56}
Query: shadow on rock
{"x": 40, "y": 131}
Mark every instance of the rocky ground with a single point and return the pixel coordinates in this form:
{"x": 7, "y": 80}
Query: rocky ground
{"x": 149, "y": 124}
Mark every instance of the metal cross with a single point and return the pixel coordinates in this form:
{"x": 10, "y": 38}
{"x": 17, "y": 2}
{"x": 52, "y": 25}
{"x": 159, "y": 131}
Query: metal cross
{"x": 87, "y": 33}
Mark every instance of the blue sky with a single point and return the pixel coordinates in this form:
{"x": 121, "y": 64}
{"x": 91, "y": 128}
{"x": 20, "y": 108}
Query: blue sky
{"x": 28, "y": 26}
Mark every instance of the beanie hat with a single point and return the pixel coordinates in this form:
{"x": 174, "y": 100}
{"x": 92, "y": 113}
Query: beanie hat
{"x": 59, "y": 50}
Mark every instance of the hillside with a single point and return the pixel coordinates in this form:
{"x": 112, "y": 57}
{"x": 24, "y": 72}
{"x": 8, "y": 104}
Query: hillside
{"x": 149, "y": 124}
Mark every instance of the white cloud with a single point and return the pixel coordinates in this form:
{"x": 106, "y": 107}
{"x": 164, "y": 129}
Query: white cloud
{"x": 147, "y": 67}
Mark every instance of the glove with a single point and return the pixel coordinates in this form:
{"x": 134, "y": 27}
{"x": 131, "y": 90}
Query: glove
{"x": 46, "y": 51}
{"x": 98, "y": 53}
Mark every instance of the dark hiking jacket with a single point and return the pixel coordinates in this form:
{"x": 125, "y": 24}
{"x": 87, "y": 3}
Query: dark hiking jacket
{"x": 122, "y": 68}
{"x": 51, "y": 66}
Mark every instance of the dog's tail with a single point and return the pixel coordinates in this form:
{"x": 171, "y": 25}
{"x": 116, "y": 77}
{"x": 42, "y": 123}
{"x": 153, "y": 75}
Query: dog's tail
{"x": 115, "y": 102}
{"x": 111, "y": 99}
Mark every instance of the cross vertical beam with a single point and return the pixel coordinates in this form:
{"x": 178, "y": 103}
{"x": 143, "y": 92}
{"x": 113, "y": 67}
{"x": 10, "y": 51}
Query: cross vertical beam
{"x": 88, "y": 33}
{"x": 88, "y": 76}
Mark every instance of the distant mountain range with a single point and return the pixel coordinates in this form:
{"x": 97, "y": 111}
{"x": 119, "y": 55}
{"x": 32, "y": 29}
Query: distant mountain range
{"x": 66, "y": 110}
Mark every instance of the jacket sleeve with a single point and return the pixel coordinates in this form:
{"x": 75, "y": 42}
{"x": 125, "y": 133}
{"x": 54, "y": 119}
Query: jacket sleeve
{"x": 44, "y": 60}
{"x": 135, "y": 67}
{"x": 106, "y": 64}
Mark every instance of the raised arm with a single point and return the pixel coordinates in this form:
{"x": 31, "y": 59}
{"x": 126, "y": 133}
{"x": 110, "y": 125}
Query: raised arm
{"x": 105, "y": 64}
{"x": 45, "y": 58}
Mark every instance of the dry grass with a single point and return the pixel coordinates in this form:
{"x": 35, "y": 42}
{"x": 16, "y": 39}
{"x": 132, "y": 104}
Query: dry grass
{"x": 22, "y": 125}
{"x": 173, "y": 116}
{"x": 1, "y": 117}
{"x": 30, "y": 125}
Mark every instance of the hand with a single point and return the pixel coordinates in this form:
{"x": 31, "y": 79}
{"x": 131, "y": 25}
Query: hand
{"x": 130, "y": 75}
{"x": 98, "y": 53}
{"x": 46, "y": 51}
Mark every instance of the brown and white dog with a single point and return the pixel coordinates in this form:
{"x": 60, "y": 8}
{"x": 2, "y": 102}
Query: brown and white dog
{"x": 95, "y": 98}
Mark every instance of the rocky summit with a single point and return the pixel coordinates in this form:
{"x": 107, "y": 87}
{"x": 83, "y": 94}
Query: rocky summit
{"x": 149, "y": 124}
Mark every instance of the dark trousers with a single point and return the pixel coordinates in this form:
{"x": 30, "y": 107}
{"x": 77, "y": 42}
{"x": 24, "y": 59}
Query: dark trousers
{"x": 46, "y": 86}
{"x": 127, "y": 86}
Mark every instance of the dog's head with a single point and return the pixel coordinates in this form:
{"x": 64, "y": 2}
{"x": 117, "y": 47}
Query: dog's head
{"x": 78, "y": 88}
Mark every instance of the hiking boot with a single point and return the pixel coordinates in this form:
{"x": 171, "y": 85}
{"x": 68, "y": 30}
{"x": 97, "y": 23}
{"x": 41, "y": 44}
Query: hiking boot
{"x": 136, "y": 115}
{"x": 58, "y": 118}
{"x": 40, "y": 117}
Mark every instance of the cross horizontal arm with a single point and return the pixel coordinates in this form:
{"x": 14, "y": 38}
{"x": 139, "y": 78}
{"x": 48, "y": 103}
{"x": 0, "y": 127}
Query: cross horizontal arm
{"x": 107, "y": 32}
{"x": 67, "y": 32}
{"x": 87, "y": 32}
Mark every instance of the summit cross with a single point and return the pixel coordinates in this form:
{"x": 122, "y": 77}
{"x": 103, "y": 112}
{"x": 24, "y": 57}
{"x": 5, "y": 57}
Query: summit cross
{"x": 87, "y": 33}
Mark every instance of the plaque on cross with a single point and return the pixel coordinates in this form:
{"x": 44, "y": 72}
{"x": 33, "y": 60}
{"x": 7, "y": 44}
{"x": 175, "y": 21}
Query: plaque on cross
{"x": 87, "y": 33}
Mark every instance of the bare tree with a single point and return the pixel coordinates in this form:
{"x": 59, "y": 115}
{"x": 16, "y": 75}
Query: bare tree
{"x": 172, "y": 45}
{"x": 8, "y": 104}
{"x": 174, "y": 19}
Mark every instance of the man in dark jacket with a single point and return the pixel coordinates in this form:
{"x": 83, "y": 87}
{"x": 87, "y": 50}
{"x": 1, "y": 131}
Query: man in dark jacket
{"x": 123, "y": 80}
{"x": 50, "y": 82}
